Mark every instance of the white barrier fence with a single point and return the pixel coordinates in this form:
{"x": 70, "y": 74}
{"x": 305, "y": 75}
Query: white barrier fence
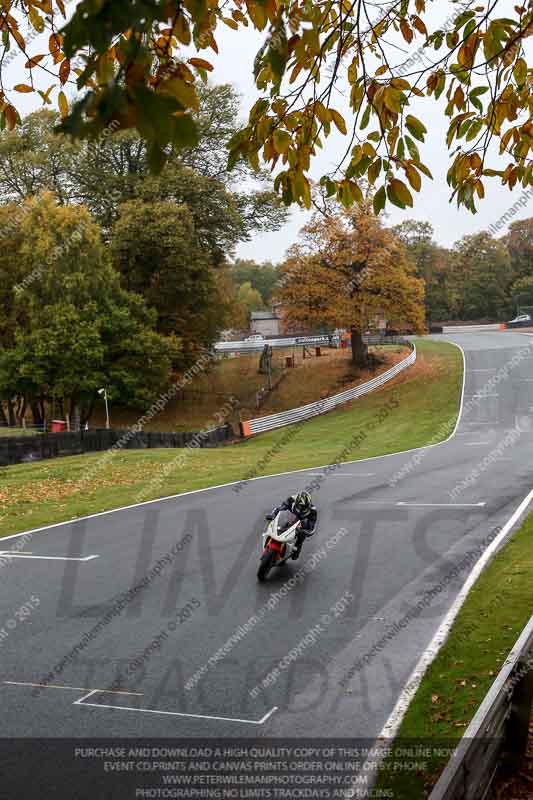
{"x": 260, "y": 424}
{"x": 470, "y": 328}
{"x": 245, "y": 346}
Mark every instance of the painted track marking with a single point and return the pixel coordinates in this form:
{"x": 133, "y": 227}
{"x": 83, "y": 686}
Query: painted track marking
{"x": 445, "y": 505}
{"x": 414, "y": 503}
{"x": 11, "y": 554}
{"x": 71, "y": 688}
{"x": 346, "y": 474}
{"x": 81, "y": 702}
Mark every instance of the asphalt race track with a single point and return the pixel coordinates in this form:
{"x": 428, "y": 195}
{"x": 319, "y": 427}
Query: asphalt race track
{"x": 382, "y": 544}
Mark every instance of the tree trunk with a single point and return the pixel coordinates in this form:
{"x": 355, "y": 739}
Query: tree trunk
{"x": 359, "y": 349}
{"x": 36, "y": 412}
{"x": 3, "y": 418}
{"x": 87, "y": 412}
{"x": 74, "y": 415}
{"x": 11, "y": 413}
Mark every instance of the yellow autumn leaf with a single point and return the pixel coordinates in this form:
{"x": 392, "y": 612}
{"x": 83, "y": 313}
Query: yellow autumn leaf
{"x": 63, "y": 104}
{"x": 282, "y": 141}
{"x": 36, "y": 20}
{"x": 230, "y": 23}
{"x": 413, "y": 177}
{"x": 23, "y": 87}
{"x": 322, "y": 113}
{"x": 185, "y": 93}
{"x": 33, "y": 61}
{"x": 338, "y": 119}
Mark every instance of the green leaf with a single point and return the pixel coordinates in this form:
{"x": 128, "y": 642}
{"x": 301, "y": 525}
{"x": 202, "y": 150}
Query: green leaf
{"x": 379, "y": 200}
{"x": 393, "y": 197}
{"x": 185, "y": 131}
{"x": 156, "y": 158}
{"x": 366, "y": 117}
{"x": 374, "y": 170}
{"x": 401, "y": 192}
{"x": 415, "y": 127}
{"x": 413, "y": 149}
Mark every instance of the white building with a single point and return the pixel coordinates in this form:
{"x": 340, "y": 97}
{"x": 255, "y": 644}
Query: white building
{"x": 267, "y": 323}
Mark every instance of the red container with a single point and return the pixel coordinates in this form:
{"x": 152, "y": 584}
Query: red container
{"x": 58, "y": 425}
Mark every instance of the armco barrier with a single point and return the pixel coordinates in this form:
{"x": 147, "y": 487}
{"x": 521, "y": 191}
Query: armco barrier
{"x": 23, "y": 449}
{"x": 293, "y": 341}
{"x": 260, "y": 424}
{"x": 498, "y": 733}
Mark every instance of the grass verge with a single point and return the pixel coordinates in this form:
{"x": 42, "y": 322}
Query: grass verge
{"x": 421, "y": 400}
{"x": 492, "y": 618}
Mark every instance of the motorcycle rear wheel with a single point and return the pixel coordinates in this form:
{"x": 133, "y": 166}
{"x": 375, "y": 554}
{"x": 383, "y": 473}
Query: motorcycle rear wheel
{"x": 266, "y": 564}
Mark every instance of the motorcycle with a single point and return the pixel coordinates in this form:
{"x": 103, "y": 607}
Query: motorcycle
{"x": 279, "y": 542}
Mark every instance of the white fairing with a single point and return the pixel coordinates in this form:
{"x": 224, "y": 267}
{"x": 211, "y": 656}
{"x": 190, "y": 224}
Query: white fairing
{"x": 283, "y": 529}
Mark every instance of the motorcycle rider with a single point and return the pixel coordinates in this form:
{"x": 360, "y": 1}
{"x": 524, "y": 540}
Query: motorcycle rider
{"x": 302, "y": 507}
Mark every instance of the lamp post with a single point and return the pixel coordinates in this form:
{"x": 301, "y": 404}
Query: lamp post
{"x": 103, "y": 391}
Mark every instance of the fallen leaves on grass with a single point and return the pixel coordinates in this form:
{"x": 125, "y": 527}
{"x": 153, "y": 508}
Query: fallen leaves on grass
{"x": 53, "y": 490}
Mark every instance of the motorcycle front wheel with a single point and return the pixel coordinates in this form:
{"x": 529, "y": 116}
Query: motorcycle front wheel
{"x": 266, "y": 564}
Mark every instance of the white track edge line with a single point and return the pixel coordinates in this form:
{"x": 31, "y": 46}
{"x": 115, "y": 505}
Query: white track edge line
{"x": 392, "y": 725}
{"x": 249, "y": 480}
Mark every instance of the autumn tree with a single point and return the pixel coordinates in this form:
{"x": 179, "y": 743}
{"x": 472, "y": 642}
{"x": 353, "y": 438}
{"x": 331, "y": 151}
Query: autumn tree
{"x": 141, "y": 61}
{"x": 346, "y": 270}
{"x": 67, "y": 328}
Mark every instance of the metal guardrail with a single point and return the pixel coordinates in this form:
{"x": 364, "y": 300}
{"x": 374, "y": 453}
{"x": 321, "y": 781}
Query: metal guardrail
{"x": 495, "y": 326}
{"x": 244, "y": 346}
{"x": 498, "y": 733}
{"x": 299, "y": 341}
{"x": 260, "y": 424}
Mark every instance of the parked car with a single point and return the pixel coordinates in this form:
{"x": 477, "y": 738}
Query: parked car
{"x": 255, "y": 337}
{"x": 521, "y": 318}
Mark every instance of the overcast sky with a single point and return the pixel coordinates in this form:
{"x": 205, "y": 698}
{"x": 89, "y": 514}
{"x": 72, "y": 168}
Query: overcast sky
{"x": 234, "y": 65}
